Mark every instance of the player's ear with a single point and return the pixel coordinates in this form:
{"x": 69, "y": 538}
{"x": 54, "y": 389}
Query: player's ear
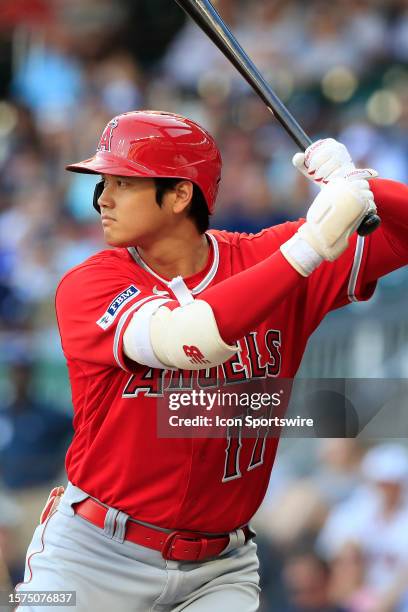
{"x": 182, "y": 195}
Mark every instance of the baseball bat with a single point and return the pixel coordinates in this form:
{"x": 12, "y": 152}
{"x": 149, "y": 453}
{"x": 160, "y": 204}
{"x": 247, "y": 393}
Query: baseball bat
{"x": 212, "y": 24}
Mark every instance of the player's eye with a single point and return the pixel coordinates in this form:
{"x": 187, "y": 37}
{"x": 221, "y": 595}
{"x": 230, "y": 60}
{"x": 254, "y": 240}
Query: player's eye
{"x": 121, "y": 183}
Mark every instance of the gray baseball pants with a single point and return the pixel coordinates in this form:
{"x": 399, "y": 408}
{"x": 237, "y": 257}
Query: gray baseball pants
{"x": 67, "y": 553}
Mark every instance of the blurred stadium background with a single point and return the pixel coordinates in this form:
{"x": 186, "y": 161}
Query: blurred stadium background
{"x": 333, "y": 529}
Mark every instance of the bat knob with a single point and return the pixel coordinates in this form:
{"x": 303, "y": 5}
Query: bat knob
{"x": 369, "y": 224}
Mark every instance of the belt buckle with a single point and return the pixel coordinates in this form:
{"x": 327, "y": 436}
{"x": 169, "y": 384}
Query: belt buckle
{"x": 168, "y": 550}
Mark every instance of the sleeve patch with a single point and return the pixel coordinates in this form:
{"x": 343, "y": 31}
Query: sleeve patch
{"x": 116, "y": 306}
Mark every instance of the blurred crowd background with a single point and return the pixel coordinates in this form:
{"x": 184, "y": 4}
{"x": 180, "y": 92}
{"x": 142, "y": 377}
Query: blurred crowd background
{"x": 333, "y": 530}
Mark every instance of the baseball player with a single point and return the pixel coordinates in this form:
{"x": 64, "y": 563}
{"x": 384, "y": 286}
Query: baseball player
{"x": 148, "y": 523}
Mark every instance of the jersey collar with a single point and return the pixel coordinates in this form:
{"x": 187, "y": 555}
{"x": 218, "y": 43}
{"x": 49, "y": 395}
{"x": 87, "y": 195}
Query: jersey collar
{"x": 203, "y": 284}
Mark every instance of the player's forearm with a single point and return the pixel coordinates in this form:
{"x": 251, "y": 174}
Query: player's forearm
{"x": 243, "y": 301}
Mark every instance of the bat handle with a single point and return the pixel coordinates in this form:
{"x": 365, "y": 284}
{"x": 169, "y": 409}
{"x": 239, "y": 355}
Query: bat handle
{"x": 371, "y": 221}
{"x": 369, "y": 224}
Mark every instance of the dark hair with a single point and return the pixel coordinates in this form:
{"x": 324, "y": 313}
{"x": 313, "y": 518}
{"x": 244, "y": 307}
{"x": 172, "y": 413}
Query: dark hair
{"x": 198, "y": 208}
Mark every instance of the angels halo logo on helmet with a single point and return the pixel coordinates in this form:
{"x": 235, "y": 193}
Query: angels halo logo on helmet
{"x": 156, "y": 144}
{"x": 106, "y": 138}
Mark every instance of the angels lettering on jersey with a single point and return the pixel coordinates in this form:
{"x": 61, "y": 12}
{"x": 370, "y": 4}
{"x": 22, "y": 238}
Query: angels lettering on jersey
{"x": 258, "y": 357}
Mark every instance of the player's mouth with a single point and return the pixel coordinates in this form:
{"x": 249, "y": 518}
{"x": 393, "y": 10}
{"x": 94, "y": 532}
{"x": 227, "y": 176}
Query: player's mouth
{"x": 106, "y": 220}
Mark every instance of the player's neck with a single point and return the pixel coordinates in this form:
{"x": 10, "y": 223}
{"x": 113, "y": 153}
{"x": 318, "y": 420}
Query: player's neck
{"x": 177, "y": 256}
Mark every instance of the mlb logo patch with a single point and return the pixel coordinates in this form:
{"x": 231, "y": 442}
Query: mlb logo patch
{"x": 116, "y": 306}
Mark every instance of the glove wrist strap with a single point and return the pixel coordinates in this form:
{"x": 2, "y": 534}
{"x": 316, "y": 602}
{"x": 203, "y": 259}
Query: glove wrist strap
{"x": 301, "y": 255}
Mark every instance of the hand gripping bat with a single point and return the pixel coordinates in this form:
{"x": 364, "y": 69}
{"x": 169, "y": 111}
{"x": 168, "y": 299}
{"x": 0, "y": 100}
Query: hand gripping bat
{"x": 209, "y": 20}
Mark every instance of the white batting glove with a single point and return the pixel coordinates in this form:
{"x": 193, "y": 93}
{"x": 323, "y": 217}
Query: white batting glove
{"x": 327, "y": 159}
{"x": 334, "y": 215}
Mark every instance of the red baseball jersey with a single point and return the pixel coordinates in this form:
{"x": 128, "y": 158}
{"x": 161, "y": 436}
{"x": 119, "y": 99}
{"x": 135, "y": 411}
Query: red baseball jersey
{"x": 116, "y": 456}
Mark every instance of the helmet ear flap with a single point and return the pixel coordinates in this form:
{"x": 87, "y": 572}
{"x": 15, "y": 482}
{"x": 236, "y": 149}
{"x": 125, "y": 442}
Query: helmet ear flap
{"x": 97, "y": 194}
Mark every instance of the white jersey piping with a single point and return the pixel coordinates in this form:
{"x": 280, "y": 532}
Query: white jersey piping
{"x": 201, "y": 285}
{"x": 358, "y": 256}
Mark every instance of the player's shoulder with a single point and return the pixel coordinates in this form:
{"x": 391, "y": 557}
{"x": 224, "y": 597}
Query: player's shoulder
{"x": 273, "y": 235}
{"x": 98, "y": 266}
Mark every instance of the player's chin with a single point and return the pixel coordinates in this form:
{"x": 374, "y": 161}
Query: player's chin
{"x": 117, "y": 241}
{"x": 112, "y": 240}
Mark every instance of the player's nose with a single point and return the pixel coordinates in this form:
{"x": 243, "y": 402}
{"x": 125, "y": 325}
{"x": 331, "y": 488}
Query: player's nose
{"x": 106, "y": 200}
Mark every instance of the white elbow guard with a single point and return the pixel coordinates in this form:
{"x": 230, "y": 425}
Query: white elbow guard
{"x": 186, "y": 337}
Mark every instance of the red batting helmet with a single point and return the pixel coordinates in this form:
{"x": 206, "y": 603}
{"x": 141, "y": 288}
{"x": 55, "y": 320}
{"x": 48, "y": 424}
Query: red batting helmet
{"x": 155, "y": 144}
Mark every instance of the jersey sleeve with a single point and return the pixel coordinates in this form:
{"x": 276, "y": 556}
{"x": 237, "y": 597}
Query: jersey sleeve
{"x": 94, "y": 306}
{"x": 336, "y": 284}
{"x": 387, "y": 247}
{"x": 353, "y": 277}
